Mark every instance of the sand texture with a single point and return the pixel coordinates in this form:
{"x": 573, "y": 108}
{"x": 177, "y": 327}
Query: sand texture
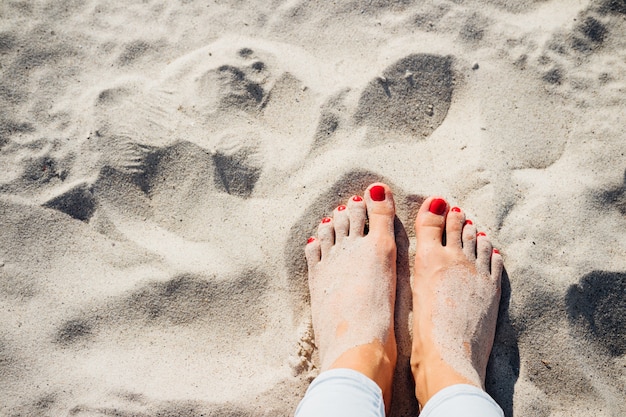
{"x": 162, "y": 163}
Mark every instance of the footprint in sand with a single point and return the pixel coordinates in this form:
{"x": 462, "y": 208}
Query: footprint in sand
{"x": 55, "y": 174}
{"x": 234, "y": 306}
{"x": 409, "y": 99}
{"x": 411, "y": 96}
{"x": 575, "y": 59}
{"x": 597, "y": 304}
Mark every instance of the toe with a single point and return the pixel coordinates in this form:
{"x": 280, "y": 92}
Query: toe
{"x": 381, "y": 209}
{"x": 497, "y": 265}
{"x": 342, "y": 222}
{"x": 356, "y": 216}
{"x": 430, "y": 221}
{"x": 454, "y": 227}
{"x": 313, "y": 252}
{"x": 483, "y": 254}
{"x": 326, "y": 235}
{"x": 469, "y": 240}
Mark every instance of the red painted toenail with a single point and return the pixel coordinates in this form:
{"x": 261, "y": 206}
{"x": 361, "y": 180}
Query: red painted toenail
{"x": 481, "y": 234}
{"x": 357, "y": 198}
{"x": 438, "y": 206}
{"x": 341, "y": 208}
{"x": 377, "y": 193}
{"x": 326, "y": 220}
{"x": 496, "y": 251}
{"x": 458, "y": 210}
{"x": 468, "y": 221}
{"x": 311, "y": 239}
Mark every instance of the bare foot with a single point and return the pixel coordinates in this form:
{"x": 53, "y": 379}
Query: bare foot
{"x": 456, "y": 292}
{"x": 352, "y": 280}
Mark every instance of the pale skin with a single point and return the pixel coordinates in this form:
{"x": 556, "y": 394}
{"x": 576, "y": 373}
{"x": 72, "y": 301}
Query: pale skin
{"x": 456, "y": 292}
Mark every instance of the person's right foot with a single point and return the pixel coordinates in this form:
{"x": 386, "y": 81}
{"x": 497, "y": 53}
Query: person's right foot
{"x": 352, "y": 280}
{"x": 456, "y": 293}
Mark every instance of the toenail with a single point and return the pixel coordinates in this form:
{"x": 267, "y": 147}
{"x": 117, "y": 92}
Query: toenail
{"x": 326, "y": 220}
{"x": 341, "y": 208}
{"x": 496, "y": 251}
{"x": 481, "y": 234}
{"x": 311, "y": 239}
{"x": 456, "y": 209}
{"x": 357, "y": 198}
{"x": 377, "y": 193}
{"x": 438, "y": 206}
{"x": 468, "y": 221}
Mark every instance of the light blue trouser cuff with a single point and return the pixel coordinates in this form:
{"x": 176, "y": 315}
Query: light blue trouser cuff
{"x": 348, "y": 393}
{"x": 461, "y": 400}
{"x": 342, "y": 392}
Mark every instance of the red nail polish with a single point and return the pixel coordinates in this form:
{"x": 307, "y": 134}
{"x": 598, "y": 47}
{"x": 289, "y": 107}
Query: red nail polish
{"x": 357, "y": 198}
{"x": 341, "y": 208}
{"x": 456, "y": 209}
{"x": 468, "y": 221}
{"x": 481, "y": 234}
{"x": 377, "y": 193}
{"x": 438, "y": 206}
{"x": 496, "y": 251}
{"x": 326, "y": 219}
{"x": 311, "y": 239}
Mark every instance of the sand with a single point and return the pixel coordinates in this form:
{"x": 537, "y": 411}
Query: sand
{"x": 163, "y": 162}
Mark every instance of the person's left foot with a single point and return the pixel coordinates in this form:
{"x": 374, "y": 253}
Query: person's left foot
{"x": 352, "y": 280}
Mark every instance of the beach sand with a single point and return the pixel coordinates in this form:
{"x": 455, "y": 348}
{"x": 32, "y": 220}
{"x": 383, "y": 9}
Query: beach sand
{"x": 162, "y": 164}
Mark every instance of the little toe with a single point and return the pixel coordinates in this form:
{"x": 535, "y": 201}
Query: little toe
{"x": 469, "y": 240}
{"x": 326, "y": 235}
{"x": 381, "y": 209}
{"x": 356, "y": 216}
{"x": 497, "y": 265}
{"x": 342, "y": 222}
{"x": 483, "y": 253}
{"x": 430, "y": 221}
{"x": 454, "y": 227}
{"x": 312, "y": 252}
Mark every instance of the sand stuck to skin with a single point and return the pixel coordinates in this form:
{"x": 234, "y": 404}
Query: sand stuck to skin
{"x": 163, "y": 162}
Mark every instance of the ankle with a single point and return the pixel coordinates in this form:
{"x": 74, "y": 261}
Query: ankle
{"x": 374, "y": 360}
{"x": 432, "y": 374}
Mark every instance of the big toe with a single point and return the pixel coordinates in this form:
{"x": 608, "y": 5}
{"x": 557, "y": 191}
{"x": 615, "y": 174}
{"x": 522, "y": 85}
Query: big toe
{"x": 430, "y": 221}
{"x": 381, "y": 209}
